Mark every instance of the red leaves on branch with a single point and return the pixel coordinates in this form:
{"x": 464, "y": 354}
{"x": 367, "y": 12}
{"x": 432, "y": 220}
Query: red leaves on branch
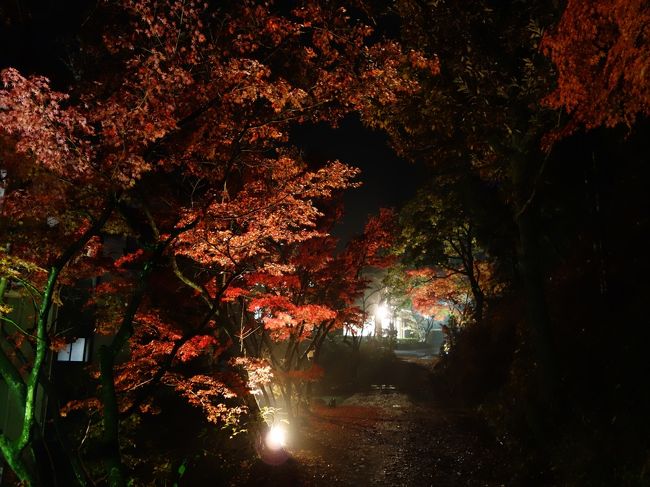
{"x": 372, "y": 248}
{"x": 439, "y": 292}
{"x": 232, "y": 293}
{"x": 196, "y": 346}
{"x": 91, "y": 404}
{"x": 129, "y": 258}
{"x": 210, "y": 394}
{"x": 44, "y": 128}
{"x": 436, "y": 294}
{"x": 283, "y": 319}
{"x": 314, "y": 373}
{"x": 601, "y": 49}
{"x": 274, "y": 206}
{"x": 258, "y": 371}
{"x": 182, "y": 114}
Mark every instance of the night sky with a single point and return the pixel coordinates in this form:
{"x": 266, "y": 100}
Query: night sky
{"x": 387, "y": 180}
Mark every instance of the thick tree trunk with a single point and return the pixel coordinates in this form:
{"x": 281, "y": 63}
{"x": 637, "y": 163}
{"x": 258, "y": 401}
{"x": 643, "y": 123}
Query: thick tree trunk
{"x": 17, "y": 464}
{"x": 267, "y": 399}
{"x": 287, "y": 391}
{"x": 107, "y": 355}
{"x": 532, "y": 278}
{"x": 468, "y": 262}
{"x": 111, "y": 420}
{"x": 479, "y": 298}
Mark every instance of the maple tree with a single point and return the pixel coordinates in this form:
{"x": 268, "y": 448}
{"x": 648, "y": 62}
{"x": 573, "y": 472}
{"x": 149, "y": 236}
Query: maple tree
{"x": 438, "y": 230}
{"x": 286, "y": 316}
{"x": 435, "y": 293}
{"x": 370, "y": 252}
{"x": 19, "y": 451}
{"x": 439, "y": 295}
{"x": 156, "y": 182}
{"x": 600, "y": 50}
{"x": 175, "y": 134}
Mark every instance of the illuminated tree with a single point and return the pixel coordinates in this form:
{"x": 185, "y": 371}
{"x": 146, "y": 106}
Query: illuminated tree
{"x": 602, "y": 56}
{"x": 175, "y": 135}
{"x": 437, "y": 231}
{"x": 311, "y": 292}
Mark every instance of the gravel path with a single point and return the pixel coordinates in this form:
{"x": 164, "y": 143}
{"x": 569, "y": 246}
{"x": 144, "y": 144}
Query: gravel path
{"x": 391, "y": 435}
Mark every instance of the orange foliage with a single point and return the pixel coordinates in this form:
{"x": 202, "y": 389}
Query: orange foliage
{"x": 437, "y": 293}
{"x": 185, "y": 138}
{"x": 258, "y": 371}
{"x": 312, "y": 374}
{"x": 601, "y": 49}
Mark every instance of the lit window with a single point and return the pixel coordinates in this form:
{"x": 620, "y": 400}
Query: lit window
{"x": 76, "y": 351}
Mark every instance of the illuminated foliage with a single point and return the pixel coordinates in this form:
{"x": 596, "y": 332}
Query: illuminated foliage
{"x": 601, "y": 50}
{"x": 314, "y": 295}
{"x": 438, "y": 234}
{"x": 172, "y": 145}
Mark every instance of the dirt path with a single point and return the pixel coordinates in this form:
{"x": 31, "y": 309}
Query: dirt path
{"x": 390, "y": 435}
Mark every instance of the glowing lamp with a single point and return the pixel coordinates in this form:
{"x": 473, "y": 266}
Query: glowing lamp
{"x": 276, "y": 438}
{"x": 382, "y": 312}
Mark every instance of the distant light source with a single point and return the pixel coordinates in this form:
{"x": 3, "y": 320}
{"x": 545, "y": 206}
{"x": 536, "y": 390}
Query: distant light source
{"x": 382, "y": 312}
{"x": 276, "y": 438}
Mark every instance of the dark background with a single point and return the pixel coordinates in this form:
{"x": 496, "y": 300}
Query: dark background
{"x": 387, "y": 181}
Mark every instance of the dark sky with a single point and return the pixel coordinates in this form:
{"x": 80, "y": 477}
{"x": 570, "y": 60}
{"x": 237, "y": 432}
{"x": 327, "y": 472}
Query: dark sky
{"x": 388, "y": 181}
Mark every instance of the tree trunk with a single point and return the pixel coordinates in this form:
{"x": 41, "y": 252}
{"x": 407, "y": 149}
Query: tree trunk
{"x": 475, "y": 286}
{"x": 17, "y": 464}
{"x": 107, "y": 356}
{"x": 532, "y": 278}
{"x": 479, "y": 298}
{"x": 20, "y": 453}
{"x": 111, "y": 420}
{"x": 287, "y": 390}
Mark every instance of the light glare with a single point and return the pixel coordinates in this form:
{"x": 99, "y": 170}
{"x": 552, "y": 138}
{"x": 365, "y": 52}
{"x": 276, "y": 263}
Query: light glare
{"x": 276, "y": 438}
{"x": 382, "y": 312}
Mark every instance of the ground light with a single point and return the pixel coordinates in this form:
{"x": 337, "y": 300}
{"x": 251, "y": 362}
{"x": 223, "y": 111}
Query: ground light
{"x": 276, "y": 437}
{"x": 272, "y": 448}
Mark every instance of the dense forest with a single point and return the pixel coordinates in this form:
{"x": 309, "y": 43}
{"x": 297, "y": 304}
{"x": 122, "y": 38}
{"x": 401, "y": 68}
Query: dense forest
{"x": 157, "y": 207}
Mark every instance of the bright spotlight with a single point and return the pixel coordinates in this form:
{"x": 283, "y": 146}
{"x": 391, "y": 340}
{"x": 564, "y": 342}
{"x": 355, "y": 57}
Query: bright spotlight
{"x": 276, "y": 438}
{"x": 382, "y": 312}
